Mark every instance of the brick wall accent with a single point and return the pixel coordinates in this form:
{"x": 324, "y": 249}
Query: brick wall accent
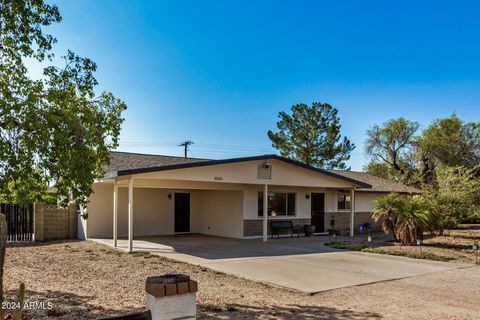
{"x": 342, "y": 221}
{"x": 55, "y": 223}
{"x": 254, "y": 227}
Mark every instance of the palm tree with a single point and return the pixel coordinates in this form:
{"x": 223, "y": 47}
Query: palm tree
{"x": 412, "y": 221}
{"x": 387, "y": 209}
{"x": 406, "y": 218}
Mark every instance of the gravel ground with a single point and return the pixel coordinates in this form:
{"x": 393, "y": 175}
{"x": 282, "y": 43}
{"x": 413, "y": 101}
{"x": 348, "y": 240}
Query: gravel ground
{"x": 85, "y": 280}
{"x": 456, "y": 245}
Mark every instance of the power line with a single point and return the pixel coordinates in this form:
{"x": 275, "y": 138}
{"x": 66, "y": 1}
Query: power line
{"x": 216, "y": 148}
{"x": 185, "y": 144}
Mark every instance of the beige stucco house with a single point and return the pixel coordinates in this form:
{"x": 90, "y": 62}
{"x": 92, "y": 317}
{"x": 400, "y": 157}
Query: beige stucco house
{"x": 146, "y": 195}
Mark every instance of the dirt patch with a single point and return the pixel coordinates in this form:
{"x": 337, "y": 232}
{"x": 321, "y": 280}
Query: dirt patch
{"x": 86, "y": 280}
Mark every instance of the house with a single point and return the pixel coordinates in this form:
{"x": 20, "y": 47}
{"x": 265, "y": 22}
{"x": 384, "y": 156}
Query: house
{"x": 146, "y": 195}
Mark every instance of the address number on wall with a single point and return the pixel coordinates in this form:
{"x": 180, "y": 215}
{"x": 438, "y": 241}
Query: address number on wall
{"x": 218, "y": 178}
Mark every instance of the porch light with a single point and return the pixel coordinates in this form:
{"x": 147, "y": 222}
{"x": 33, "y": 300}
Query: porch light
{"x": 169, "y": 196}
{"x": 307, "y": 196}
{"x": 267, "y": 165}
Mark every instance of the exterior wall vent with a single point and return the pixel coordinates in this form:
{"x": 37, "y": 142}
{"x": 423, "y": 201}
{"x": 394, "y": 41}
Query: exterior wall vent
{"x": 264, "y": 171}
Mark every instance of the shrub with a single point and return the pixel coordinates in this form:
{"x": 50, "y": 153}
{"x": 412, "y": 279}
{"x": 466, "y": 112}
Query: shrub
{"x": 456, "y": 197}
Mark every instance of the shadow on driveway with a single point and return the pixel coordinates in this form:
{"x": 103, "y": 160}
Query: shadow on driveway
{"x": 215, "y": 248}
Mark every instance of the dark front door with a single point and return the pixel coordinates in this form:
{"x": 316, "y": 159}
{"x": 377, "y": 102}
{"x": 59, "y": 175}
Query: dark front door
{"x": 318, "y": 211}
{"x": 182, "y": 212}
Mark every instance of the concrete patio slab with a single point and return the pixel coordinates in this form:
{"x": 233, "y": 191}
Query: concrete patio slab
{"x": 303, "y": 264}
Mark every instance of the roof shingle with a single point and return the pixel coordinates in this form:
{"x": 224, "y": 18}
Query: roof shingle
{"x": 378, "y": 184}
{"x": 128, "y": 160}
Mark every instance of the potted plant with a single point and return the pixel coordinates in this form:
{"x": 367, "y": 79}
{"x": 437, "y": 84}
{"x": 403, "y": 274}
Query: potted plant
{"x": 309, "y": 230}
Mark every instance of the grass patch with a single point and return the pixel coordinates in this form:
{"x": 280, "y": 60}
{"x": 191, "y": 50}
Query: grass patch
{"x": 336, "y": 245}
{"x": 413, "y": 255}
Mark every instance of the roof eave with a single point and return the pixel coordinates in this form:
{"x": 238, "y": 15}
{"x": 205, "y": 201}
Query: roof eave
{"x": 110, "y": 175}
{"x": 127, "y": 172}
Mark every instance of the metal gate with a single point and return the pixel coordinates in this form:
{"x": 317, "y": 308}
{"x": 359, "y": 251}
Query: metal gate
{"x": 19, "y": 221}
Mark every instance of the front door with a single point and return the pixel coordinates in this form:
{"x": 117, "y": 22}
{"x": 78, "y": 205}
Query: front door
{"x": 318, "y": 212}
{"x": 182, "y": 212}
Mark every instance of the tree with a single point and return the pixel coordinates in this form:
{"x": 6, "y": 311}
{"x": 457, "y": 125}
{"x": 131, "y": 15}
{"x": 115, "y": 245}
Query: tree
{"x": 405, "y": 217}
{"x": 390, "y": 147}
{"x": 56, "y": 129}
{"x": 312, "y": 135}
{"x": 386, "y": 210}
{"x": 450, "y": 142}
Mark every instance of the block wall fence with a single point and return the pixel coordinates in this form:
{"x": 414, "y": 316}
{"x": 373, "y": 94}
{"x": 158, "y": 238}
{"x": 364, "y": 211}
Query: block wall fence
{"x": 52, "y": 222}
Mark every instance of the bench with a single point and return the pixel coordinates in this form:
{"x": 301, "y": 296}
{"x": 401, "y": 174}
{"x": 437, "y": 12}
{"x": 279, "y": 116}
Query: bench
{"x": 284, "y": 225}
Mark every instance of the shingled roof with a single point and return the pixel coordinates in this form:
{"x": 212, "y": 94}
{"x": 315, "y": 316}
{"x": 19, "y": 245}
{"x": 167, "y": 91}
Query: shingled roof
{"x": 378, "y": 184}
{"x": 129, "y": 163}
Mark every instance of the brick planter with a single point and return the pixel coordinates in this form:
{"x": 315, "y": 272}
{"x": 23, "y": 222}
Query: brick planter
{"x": 171, "y": 297}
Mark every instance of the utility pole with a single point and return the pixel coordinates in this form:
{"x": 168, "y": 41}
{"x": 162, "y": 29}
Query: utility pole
{"x": 185, "y": 144}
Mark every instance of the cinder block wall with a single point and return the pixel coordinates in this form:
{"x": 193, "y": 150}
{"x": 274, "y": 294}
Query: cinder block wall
{"x": 55, "y": 223}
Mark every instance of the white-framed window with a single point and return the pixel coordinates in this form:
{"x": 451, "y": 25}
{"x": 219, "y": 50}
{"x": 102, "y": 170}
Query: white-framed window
{"x": 279, "y": 204}
{"x": 343, "y": 201}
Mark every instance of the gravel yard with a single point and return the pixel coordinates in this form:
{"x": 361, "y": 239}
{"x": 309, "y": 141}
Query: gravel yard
{"x": 85, "y": 280}
{"x": 454, "y": 245}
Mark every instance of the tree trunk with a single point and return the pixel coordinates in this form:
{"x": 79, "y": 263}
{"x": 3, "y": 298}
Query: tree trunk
{"x": 3, "y": 244}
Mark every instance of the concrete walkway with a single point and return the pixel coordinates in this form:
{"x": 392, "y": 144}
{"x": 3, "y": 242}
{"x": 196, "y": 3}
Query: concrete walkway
{"x": 303, "y": 264}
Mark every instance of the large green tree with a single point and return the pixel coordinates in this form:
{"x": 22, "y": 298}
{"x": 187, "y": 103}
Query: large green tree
{"x": 450, "y": 142}
{"x": 390, "y": 147}
{"x": 54, "y": 130}
{"x": 312, "y": 135}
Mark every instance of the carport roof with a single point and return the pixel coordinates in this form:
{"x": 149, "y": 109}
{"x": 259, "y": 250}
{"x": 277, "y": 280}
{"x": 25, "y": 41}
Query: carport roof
{"x": 126, "y": 163}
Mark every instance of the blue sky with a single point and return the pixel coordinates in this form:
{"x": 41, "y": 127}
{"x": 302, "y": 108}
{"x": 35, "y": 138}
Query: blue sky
{"x": 218, "y": 72}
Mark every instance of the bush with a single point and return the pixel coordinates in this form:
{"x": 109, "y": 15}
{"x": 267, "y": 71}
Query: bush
{"x": 455, "y": 199}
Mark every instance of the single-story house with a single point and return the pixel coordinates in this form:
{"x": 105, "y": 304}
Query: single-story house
{"x": 149, "y": 195}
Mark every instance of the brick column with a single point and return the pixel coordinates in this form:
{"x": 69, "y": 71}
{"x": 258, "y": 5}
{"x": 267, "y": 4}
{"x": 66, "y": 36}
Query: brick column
{"x": 171, "y": 296}
{"x": 38, "y": 219}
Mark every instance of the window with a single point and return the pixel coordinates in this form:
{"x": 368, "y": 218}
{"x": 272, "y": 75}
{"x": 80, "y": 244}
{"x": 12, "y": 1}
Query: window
{"x": 279, "y": 204}
{"x": 343, "y": 201}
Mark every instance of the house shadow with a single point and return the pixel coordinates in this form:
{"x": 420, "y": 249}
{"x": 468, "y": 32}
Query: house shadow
{"x": 308, "y": 312}
{"x": 53, "y": 304}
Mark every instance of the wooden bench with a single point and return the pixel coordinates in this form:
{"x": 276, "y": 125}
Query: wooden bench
{"x": 284, "y": 225}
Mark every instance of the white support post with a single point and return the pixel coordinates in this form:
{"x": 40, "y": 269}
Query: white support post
{"x": 265, "y": 213}
{"x": 352, "y": 212}
{"x": 115, "y": 213}
{"x": 130, "y": 214}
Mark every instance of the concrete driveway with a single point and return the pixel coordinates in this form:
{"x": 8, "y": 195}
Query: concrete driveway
{"x": 303, "y": 264}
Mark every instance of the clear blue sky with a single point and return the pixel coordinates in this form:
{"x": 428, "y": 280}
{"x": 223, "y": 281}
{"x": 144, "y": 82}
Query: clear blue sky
{"x": 218, "y": 72}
